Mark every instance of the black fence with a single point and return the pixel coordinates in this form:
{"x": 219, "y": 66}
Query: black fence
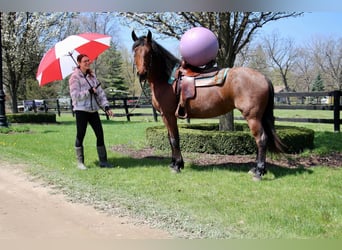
{"x": 311, "y": 101}
{"x": 47, "y": 105}
{"x": 131, "y": 104}
{"x": 290, "y": 100}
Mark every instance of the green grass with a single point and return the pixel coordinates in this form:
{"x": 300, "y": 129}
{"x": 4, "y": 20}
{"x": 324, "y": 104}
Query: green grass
{"x": 201, "y": 202}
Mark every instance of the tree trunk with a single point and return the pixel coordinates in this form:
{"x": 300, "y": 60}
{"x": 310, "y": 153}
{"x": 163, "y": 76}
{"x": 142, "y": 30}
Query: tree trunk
{"x": 227, "y": 122}
{"x": 286, "y": 87}
{"x": 14, "y": 103}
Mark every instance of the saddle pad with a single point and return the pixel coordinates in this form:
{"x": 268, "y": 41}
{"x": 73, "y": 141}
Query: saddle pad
{"x": 217, "y": 79}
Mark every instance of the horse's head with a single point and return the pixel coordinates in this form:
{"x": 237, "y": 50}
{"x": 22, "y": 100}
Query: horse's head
{"x": 142, "y": 49}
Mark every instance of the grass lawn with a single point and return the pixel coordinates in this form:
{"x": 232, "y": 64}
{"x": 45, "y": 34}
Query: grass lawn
{"x": 201, "y": 202}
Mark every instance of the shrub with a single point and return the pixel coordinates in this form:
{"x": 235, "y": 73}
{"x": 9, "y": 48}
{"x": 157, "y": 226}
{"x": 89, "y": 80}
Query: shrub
{"x": 11, "y": 129}
{"x": 32, "y": 118}
{"x": 206, "y": 138}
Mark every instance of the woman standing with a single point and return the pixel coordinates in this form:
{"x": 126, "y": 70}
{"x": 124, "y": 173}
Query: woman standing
{"x": 87, "y": 98}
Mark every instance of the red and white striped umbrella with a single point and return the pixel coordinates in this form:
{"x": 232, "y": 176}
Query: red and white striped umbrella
{"x": 60, "y": 61}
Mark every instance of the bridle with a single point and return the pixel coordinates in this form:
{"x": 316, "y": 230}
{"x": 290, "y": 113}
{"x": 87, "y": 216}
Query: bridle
{"x": 148, "y": 67}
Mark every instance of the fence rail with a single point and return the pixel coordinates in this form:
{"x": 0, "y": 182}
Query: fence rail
{"x": 288, "y": 101}
{"x": 130, "y": 104}
{"x": 311, "y": 101}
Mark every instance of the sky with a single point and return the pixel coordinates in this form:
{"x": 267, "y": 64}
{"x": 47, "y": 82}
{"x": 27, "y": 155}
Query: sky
{"x": 301, "y": 29}
{"x": 310, "y": 25}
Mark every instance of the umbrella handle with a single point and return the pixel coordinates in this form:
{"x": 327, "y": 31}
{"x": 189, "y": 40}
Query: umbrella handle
{"x": 70, "y": 54}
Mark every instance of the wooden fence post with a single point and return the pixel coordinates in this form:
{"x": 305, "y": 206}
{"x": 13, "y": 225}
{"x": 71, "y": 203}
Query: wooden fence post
{"x": 126, "y": 109}
{"x": 58, "y": 107}
{"x": 337, "y": 96}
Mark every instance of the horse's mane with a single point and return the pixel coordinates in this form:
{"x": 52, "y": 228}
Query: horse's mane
{"x": 161, "y": 57}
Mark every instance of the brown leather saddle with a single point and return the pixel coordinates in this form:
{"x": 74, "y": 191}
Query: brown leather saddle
{"x": 188, "y": 78}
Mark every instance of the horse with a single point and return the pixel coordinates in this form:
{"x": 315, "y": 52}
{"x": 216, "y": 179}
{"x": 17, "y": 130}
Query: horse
{"x": 243, "y": 88}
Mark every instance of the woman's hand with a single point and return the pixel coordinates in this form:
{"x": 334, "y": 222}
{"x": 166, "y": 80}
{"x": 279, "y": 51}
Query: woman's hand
{"x": 92, "y": 91}
{"x": 109, "y": 112}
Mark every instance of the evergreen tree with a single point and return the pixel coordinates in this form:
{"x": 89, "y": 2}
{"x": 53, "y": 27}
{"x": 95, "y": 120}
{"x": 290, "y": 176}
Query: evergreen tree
{"x": 109, "y": 72}
{"x": 318, "y": 84}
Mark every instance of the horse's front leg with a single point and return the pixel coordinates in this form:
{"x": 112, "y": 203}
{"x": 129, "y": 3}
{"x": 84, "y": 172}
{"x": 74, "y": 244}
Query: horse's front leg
{"x": 177, "y": 162}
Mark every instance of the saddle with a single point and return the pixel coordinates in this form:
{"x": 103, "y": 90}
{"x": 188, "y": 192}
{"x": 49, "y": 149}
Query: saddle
{"x": 189, "y": 77}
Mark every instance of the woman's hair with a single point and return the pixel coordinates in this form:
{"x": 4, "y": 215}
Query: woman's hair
{"x": 79, "y": 59}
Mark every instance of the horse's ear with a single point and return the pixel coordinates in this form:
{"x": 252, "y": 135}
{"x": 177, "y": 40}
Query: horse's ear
{"x": 149, "y": 36}
{"x": 134, "y": 36}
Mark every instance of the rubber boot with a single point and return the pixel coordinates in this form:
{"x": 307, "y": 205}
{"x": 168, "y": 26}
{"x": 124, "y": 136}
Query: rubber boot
{"x": 102, "y": 153}
{"x": 80, "y": 158}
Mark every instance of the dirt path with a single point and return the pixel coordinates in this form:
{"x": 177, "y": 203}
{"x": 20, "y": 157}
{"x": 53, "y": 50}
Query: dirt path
{"x": 30, "y": 210}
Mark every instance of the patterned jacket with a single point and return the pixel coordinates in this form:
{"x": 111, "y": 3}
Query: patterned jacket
{"x": 82, "y": 99}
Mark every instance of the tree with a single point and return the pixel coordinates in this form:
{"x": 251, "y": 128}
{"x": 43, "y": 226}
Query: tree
{"x": 234, "y": 31}
{"x": 255, "y": 58}
{"x": 23, "y": 36}
{"x": 328, "y": 56}
{"x": 304, "y": 70}
{"x": 283, "y": 54}
{"x": 110, "y": 74}
{"x": 108, "y": 67}
{"x": 34, "y": 91}
{"x": 128, "y": 73}
{"x": 318, "y": 84}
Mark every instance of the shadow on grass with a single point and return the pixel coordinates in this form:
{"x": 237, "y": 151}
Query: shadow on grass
{"x": 277, "y": 170}
{"x": 146, "y": 162}
{"x": 163, "y": 161}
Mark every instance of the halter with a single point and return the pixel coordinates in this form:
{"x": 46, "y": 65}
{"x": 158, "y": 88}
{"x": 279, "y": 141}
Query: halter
{"x": 142, "y": 83}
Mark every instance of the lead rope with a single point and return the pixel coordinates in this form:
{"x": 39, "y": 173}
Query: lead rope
{"x": 93, "y": 94}
{"x": 141, "y": 94}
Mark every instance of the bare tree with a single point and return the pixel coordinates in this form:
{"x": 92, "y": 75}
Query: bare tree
{"x": 328, "y": 56}
{"x": 233, "y": 29}
{"x": 282, "y": 54}
{"x": 255, "y": 58}
{"x": 304, "y": 70}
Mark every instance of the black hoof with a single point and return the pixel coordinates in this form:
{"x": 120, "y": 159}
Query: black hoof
{"x": 176, "y": 166}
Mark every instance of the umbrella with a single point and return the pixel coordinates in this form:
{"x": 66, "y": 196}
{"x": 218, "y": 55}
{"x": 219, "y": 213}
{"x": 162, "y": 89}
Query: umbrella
{"x": 60, "y": 60}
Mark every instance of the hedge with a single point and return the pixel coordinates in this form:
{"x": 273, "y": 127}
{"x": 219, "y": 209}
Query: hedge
{"x": 206, "y": 138}
{"x": 31, "y": 118}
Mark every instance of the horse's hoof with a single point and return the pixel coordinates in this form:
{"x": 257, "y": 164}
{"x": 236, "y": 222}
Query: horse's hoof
{"x": 257, "y": 177}
{"x": 252, "y": 171}
{"x": 175, "y": 170}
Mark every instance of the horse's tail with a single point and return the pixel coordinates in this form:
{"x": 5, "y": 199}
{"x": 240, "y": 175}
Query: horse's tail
{"x": 274, "y": 142}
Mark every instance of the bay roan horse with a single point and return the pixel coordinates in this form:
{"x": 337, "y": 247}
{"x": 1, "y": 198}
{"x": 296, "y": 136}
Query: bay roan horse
{"x": 243, "y": 88}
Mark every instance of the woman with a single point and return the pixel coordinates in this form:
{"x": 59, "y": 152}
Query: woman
{"x": 87, "y": 98}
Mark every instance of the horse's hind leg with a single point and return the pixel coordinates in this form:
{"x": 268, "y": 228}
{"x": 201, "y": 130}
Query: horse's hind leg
{"x": 261, "y": 143}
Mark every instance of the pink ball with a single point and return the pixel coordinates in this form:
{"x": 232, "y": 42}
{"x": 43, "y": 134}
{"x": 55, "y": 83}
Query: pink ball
{"x": 198, "y": 46}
